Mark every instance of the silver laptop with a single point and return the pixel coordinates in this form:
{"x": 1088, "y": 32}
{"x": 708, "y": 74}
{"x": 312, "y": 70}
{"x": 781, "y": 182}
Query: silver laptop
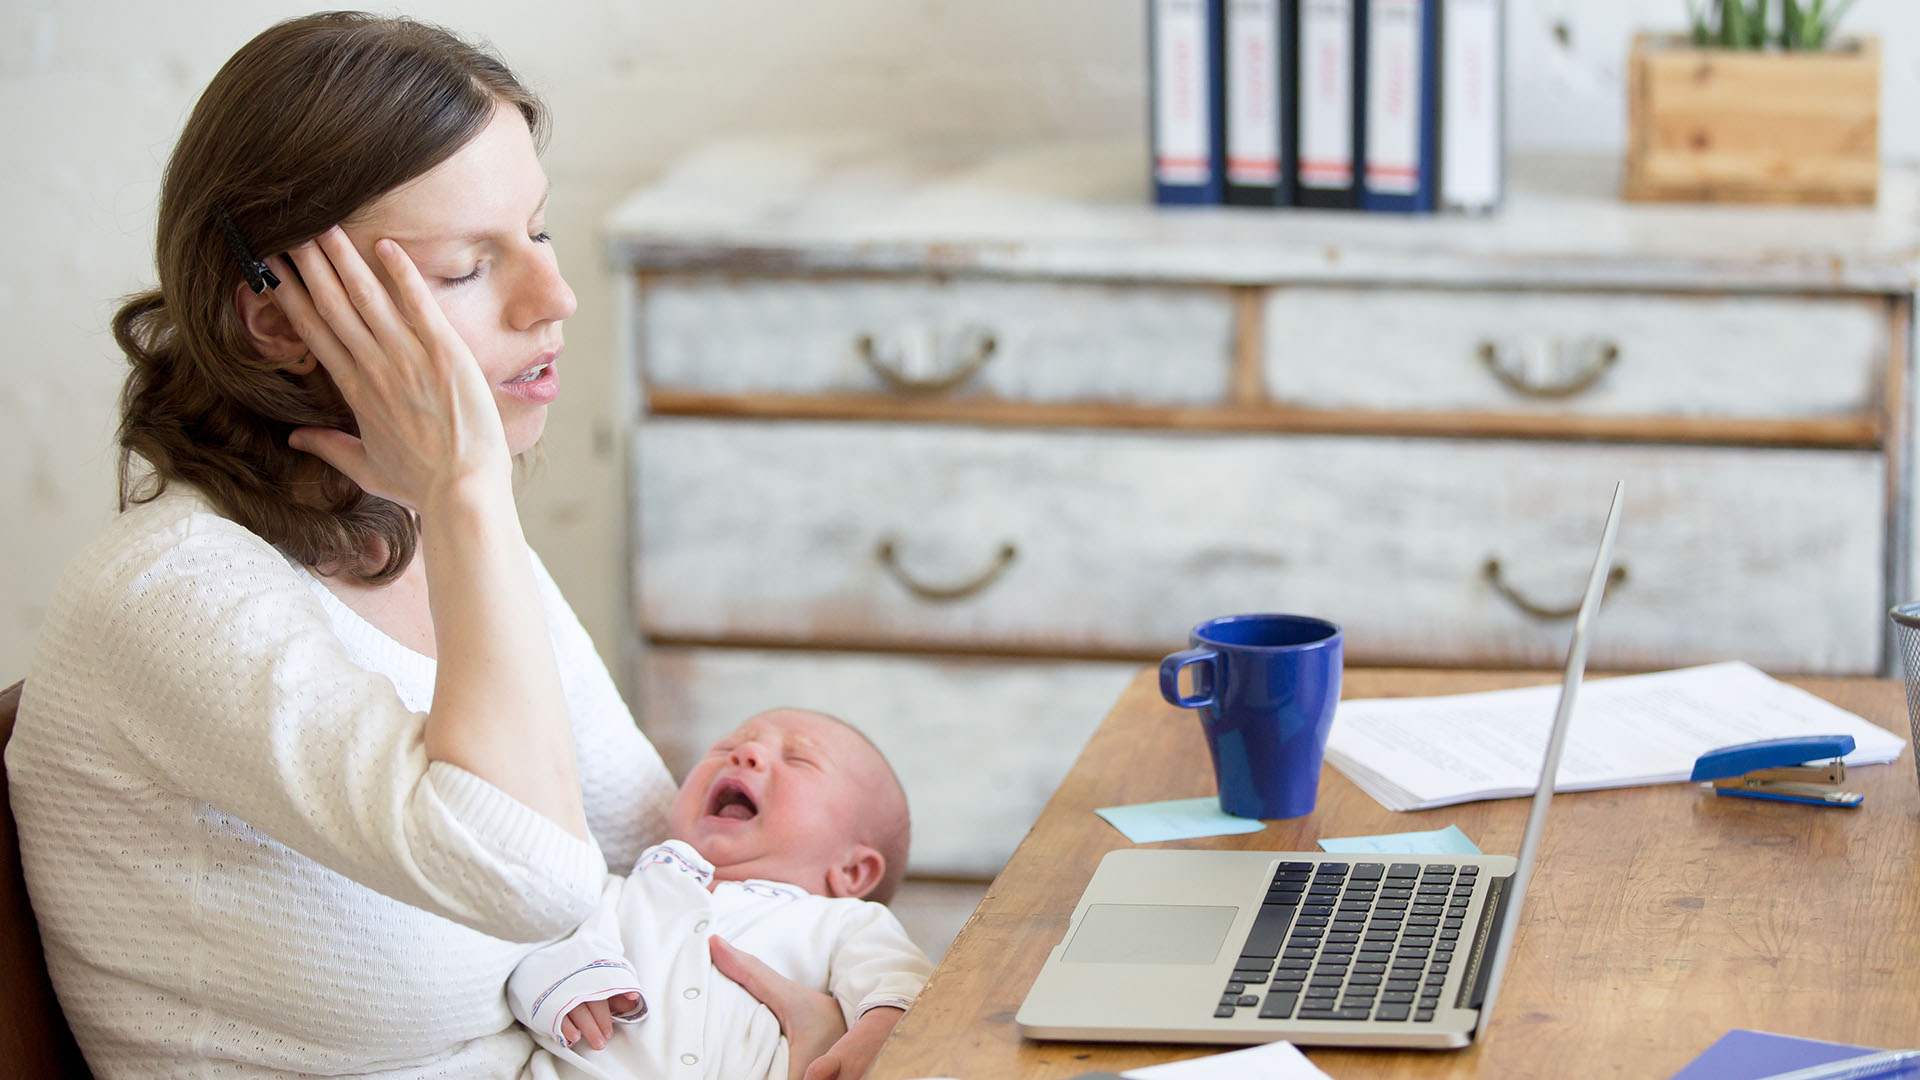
{"x": 1318, "y": 949}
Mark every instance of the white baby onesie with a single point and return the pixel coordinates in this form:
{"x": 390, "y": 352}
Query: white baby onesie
{"x": 649, "y": 934}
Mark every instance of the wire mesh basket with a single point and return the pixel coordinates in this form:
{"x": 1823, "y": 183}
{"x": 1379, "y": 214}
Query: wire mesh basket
{"x": 1906, "y": 630}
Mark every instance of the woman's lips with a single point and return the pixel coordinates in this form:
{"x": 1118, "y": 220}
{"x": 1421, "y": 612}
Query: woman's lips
{"x": 538, "y": 383}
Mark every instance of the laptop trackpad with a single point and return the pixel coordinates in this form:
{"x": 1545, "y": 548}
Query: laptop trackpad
{"x": 1150, "y": 934}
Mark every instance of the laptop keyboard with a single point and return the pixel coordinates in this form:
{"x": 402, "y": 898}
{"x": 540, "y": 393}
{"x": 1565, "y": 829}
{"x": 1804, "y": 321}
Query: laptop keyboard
{"x": 1362, "y": 941}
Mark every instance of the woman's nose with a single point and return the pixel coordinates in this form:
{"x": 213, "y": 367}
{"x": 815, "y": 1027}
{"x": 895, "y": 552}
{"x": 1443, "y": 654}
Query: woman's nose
{"x": 541, "y": 295}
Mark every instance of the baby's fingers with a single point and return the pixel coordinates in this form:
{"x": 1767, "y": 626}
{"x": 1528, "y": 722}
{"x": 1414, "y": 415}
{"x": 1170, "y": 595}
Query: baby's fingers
{"x": 568, "y": 1033}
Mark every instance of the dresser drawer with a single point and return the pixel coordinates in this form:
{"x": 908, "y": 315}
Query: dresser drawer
{"x": 1055, "y": 342}
{"x": 1015, "y": 726}
{"x": 1110, "y": 544}
{"x": 1597, "y": 354}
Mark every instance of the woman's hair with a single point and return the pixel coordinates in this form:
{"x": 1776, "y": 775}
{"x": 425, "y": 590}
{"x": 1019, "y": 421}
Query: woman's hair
{"x": 308, "y": 123}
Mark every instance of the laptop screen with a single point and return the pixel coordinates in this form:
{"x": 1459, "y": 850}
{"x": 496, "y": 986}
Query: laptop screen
{"x": 1556, "y": 743}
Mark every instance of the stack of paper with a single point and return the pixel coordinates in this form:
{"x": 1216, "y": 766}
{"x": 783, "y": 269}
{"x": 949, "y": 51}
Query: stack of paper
{"x": 1418, "y": 753}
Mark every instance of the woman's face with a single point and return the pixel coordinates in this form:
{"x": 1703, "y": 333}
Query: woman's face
{"x": 475, "y": 227}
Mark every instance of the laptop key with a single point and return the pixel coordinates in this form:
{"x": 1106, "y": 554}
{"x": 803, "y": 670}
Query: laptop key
{"x": 1423, "y": 1014}
{"x": 1269, "y": 927}
{"x": 1334, "y": 1014}
{"x": 1370, "y": 871}
{"x": 1278, "y": 1006}
{"x": 1224, "y": 1011}
{"x": 1390, "y": 1012}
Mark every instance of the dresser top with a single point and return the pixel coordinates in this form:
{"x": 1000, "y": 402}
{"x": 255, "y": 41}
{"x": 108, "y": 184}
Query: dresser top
{"x": 877, "y": 203}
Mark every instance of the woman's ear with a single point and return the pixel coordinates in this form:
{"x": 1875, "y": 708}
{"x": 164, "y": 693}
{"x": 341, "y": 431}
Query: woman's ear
{"x": 270, "y": 331}
{"x": 858, "y": 874}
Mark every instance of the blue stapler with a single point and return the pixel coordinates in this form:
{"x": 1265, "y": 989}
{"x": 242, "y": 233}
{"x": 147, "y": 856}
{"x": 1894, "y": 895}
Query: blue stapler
{"x": 1803, "y": 769}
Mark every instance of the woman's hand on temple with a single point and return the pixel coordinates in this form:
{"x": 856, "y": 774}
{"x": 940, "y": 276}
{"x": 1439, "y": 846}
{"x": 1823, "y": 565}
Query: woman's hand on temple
{"x": 810, "y": 1019}
{"x": 427, "y": 418}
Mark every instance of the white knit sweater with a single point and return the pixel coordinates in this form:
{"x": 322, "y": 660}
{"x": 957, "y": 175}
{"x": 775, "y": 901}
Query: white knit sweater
{"x": 243, "y": 863}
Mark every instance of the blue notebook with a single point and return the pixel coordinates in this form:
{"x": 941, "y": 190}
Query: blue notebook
{"x": 1753, "y": 1055}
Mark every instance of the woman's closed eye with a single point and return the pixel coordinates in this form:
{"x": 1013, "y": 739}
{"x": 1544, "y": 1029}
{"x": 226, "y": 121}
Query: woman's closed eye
{"x": 480, "y": 269}
{"x": 467, "y": 278}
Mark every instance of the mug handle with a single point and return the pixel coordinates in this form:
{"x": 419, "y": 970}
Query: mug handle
{"x": 1170, "y": 676}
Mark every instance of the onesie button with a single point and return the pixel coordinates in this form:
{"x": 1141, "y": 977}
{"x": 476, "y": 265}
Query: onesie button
{"x": 690, "y": 993}
{"x": 689, "y": 1059}
{"x": 699, "y": 928}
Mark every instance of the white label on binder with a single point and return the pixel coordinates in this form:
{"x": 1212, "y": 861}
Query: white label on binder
{"x": 1393, "y": 96}
{"x": 1180, "y": 64}
{"x": 1253, "y": 126}
{"x": 1326, "y": 93}
{"x": 1470, "y": 104}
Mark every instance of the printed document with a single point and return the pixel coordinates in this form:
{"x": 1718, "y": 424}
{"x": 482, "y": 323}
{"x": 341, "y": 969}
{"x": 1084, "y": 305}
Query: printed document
{"x": 1418, "y": 753}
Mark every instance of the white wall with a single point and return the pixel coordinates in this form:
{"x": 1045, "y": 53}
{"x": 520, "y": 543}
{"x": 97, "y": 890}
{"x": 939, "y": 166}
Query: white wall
{"x": 92, "y": 93}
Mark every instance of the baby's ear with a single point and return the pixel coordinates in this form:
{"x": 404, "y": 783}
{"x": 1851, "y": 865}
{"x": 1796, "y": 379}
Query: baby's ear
{"x": 858, "y": 874}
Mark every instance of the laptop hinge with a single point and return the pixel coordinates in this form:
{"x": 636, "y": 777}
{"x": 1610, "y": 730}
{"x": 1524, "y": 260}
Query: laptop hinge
{"x": 1473, "y": 987}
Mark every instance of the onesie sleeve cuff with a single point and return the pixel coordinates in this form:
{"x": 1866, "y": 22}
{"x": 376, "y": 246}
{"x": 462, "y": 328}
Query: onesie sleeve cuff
{"x": 594, "y": 981}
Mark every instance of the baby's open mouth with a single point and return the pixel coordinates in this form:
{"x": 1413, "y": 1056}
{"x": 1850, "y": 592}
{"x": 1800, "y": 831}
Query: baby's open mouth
{"x": 729, "y": 799}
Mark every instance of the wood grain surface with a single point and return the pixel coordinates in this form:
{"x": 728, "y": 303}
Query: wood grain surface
{"x": 1658, "y": 918}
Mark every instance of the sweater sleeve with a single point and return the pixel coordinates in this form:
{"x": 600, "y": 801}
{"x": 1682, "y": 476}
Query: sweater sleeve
{"x": 223, "y": 680}
{"x": 625, "y": 785}
{"x": 874, "y": 962}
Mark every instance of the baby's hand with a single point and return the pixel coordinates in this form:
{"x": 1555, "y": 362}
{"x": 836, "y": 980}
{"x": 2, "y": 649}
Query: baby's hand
{"x": 594, "y": 1019}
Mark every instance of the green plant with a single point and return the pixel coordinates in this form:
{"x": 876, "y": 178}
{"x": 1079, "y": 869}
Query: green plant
{"x": 1744, "y": 24}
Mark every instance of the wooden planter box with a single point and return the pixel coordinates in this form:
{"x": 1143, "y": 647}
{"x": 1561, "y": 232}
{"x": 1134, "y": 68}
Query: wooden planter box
{"x": 1731, "y": 125}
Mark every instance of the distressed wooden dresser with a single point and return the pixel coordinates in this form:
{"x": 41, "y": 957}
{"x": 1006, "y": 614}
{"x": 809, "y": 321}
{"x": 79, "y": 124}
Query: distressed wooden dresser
{"x": 948, "y": 440}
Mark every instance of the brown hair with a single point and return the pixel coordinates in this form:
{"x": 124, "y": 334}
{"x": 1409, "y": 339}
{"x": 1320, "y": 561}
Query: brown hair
{"x": 308, "y": 123}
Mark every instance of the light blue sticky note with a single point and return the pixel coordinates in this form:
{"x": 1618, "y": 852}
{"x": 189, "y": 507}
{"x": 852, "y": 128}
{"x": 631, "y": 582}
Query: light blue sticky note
{"x": 1176, "y": 819}
{"x": 1447, "y": 841}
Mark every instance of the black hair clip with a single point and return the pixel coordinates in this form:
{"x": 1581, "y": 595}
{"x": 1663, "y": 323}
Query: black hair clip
{"x": 259, "y": 278}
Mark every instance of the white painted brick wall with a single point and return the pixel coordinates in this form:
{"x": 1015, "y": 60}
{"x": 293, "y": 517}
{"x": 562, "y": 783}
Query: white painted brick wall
{"x": 92, "y": 93}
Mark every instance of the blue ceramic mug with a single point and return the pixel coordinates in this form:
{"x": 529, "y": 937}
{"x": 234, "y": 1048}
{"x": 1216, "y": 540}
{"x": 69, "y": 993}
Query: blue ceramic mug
{"x": 1266, "y": 687}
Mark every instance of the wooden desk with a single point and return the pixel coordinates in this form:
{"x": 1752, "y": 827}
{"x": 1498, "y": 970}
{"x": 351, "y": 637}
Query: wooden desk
{"x": 1658, "y": 917}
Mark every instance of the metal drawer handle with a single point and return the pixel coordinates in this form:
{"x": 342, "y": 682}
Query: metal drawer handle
{"x": 1491, "y": 571}
{"x": 885, "y": 552}
{"x": 891, "y": 363}
{"x": 1578, "y": 366}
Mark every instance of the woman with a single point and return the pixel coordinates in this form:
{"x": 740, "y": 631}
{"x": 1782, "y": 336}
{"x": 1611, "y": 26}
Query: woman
{"x": 312, "y": 749}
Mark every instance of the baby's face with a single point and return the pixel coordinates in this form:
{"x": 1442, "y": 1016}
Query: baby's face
{"x": 781, "y": 798}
